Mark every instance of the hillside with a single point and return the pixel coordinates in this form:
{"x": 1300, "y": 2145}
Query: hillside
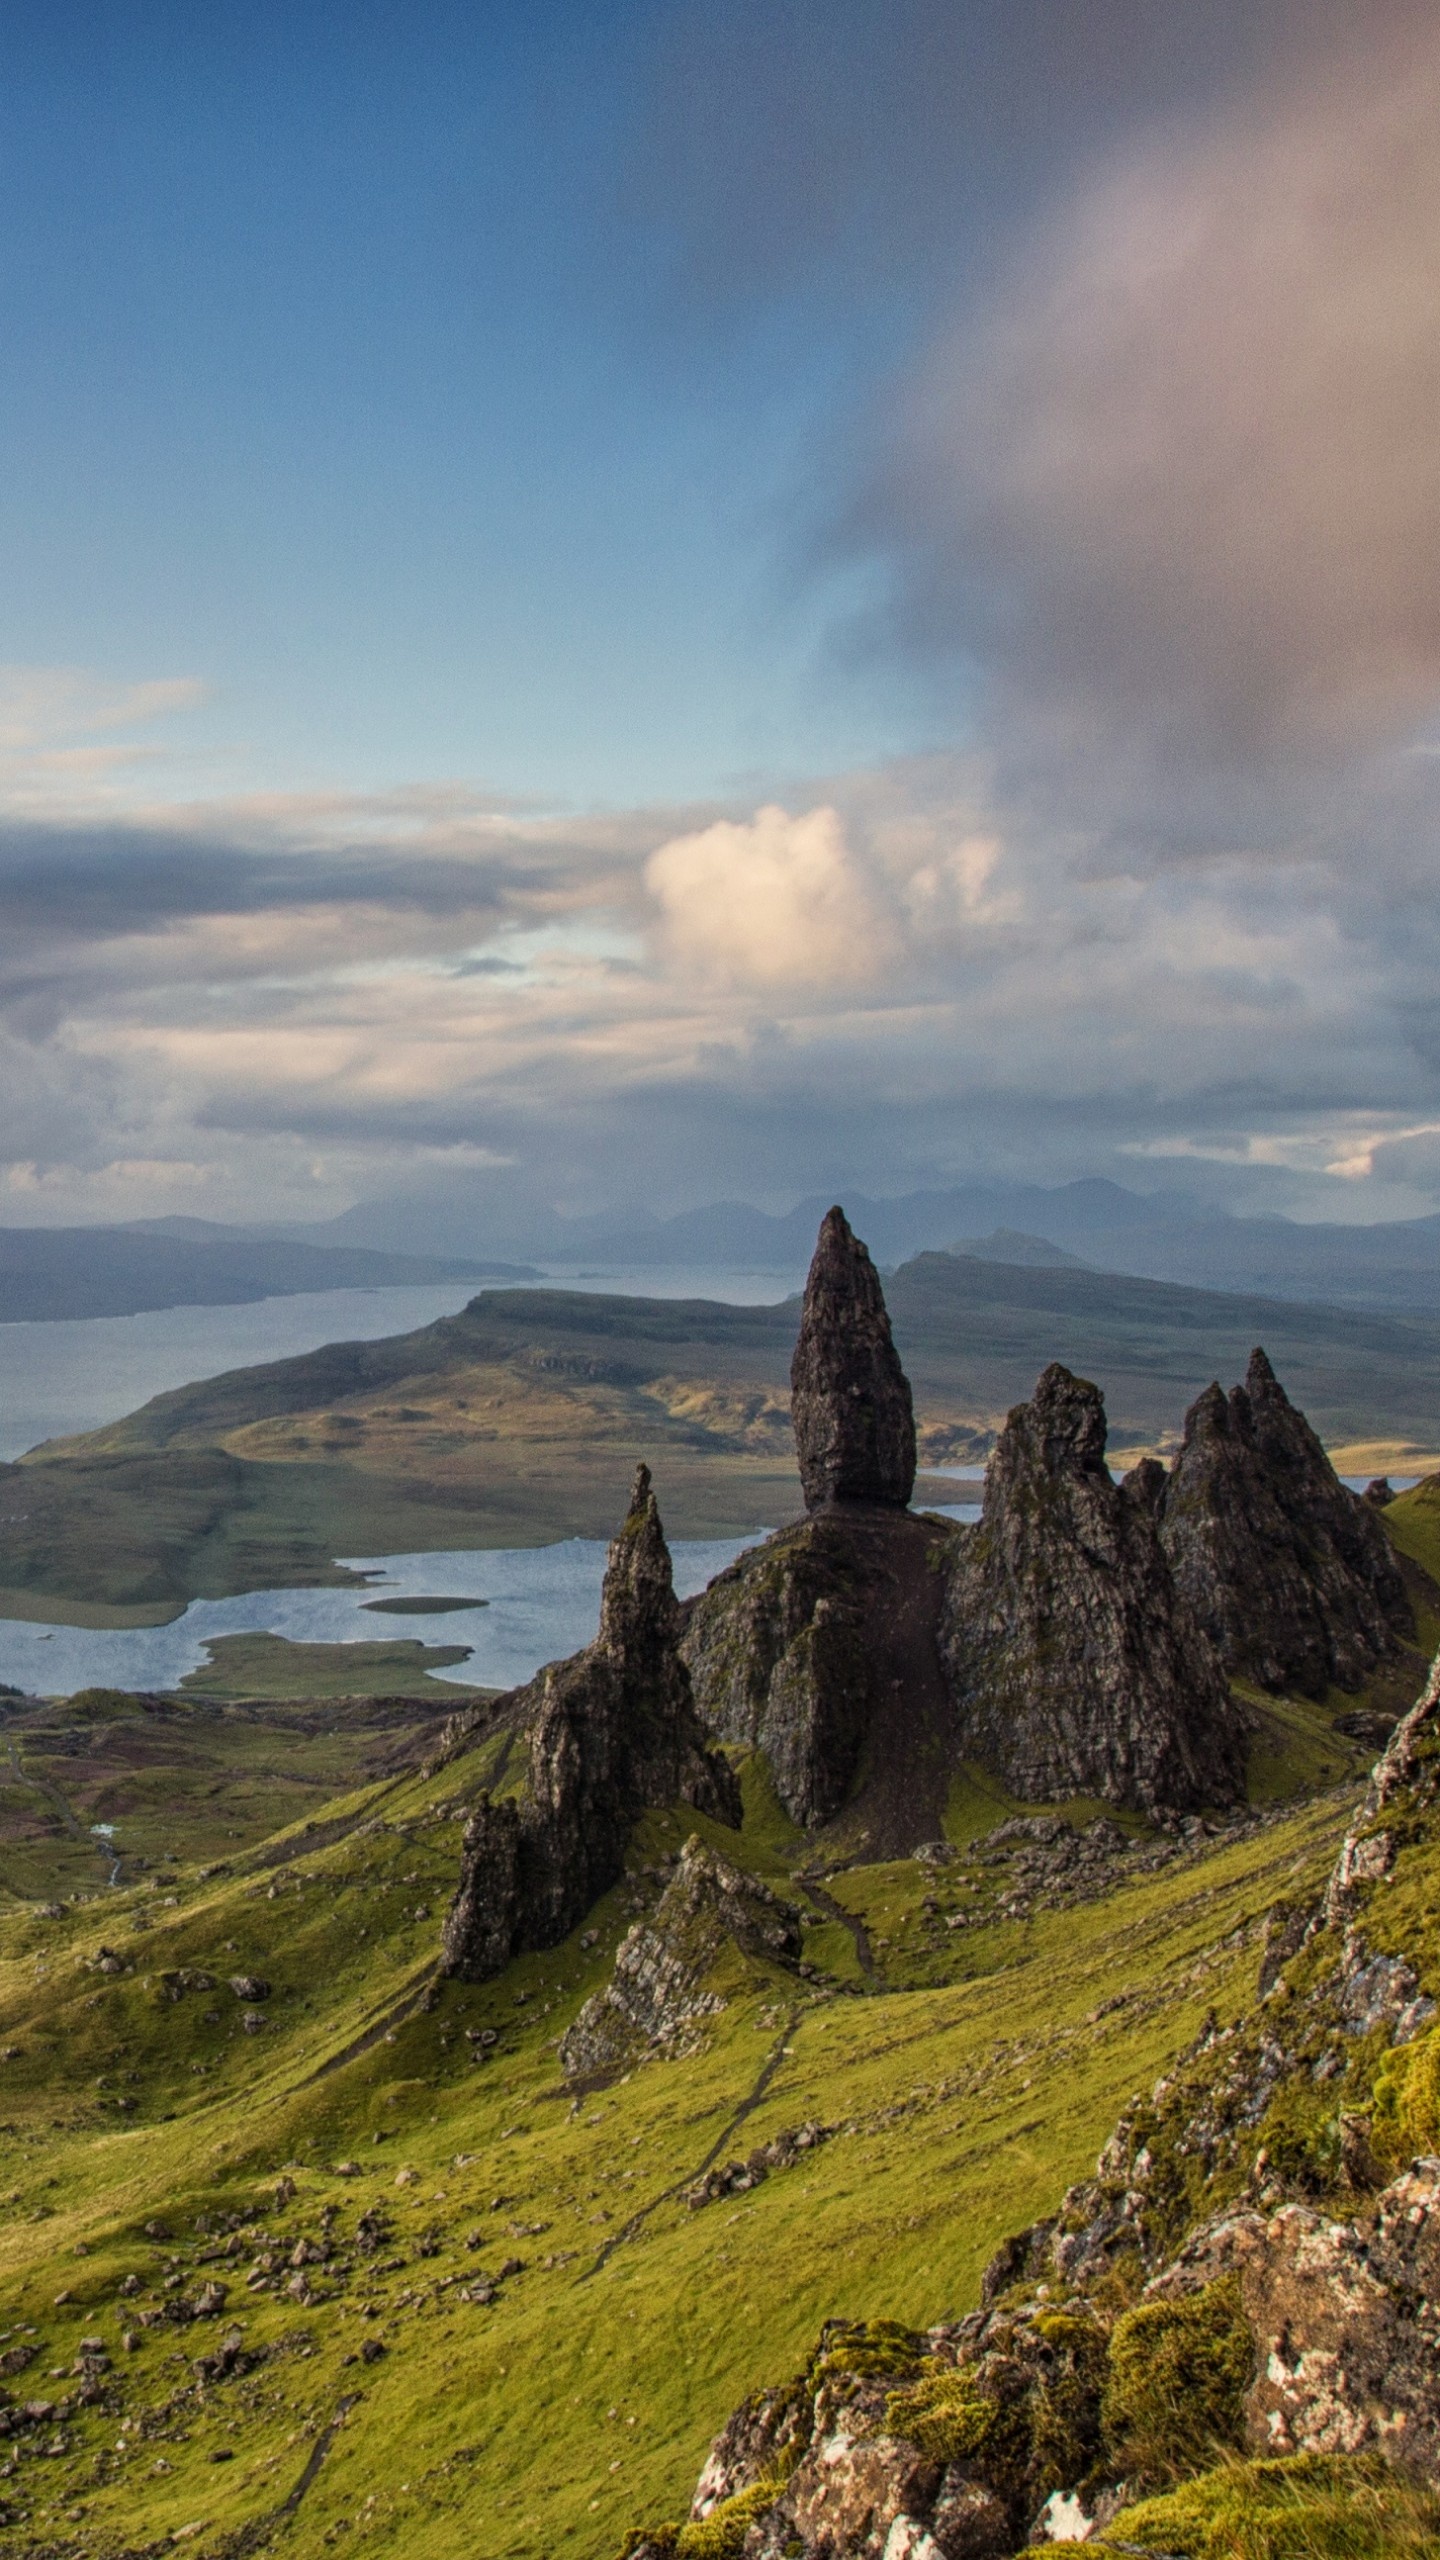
{"x": 358, "y": 2171}
{"x": 521, "y": 1419}
{"x": 433, "y": 2164}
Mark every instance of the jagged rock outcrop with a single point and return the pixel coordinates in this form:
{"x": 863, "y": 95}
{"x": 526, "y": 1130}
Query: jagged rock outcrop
{"x": 819, "y": 1649}
{"x": 849, "y": 1397}
{"x": 1290, "y": 1574}
{"x": 663, "y": 1983}
{"x": 611, "y": 1731}
{"x": 1074, "y": 1665}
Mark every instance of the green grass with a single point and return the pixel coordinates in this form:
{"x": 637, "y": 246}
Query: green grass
{"x": 264, "y": 1666}
{"x": 963, "y": 2107}
{"x": 179, "y": 1780}
{"x": 1310, "y": 2507}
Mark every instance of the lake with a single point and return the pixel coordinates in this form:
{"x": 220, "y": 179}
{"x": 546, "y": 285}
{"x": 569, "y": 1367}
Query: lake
{"x": 541, "y": 1603}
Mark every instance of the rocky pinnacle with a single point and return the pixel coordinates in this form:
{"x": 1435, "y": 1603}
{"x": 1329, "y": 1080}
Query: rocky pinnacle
{"x": 1074, "y": 1665}
{"x": 609, "y": 1732}
{"x": 639, "y": 1614}
{"x": 1290, "y": 1574}
{"x": 850, "y": 1399}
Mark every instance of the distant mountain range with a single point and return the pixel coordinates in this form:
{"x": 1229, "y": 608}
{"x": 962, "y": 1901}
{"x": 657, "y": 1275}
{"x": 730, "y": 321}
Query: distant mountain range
{"x": 466, "y": 1234}
{"x": 1157, "y": 1236}
{"x": 51, "y": 1272}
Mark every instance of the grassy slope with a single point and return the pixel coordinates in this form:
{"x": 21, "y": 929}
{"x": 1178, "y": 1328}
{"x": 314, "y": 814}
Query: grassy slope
{"x": 178, "y": 1779}
{"x": 521, "y": 1420}
{"x": 971, "y": 2085}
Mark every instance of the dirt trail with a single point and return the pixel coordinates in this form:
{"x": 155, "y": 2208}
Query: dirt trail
{"x": 833, "y": 1910}
{"x": 746, "y": 2107}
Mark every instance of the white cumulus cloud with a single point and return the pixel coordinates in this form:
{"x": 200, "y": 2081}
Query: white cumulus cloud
{"x": 778, "y": 901}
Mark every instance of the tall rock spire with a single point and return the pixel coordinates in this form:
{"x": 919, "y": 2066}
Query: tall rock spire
{"x": 610, "y": 1731}
{"x": 850, "y": 1398}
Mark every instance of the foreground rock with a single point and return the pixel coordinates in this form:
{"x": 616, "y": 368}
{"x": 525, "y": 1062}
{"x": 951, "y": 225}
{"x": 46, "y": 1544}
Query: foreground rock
{"x": 1290, "y": 1574}
{"x": 1074, "y": 1664}
{"x": 664, "y": 1984}
{"x": 849, "y": 1397}
{"x": 611, "y": 1731}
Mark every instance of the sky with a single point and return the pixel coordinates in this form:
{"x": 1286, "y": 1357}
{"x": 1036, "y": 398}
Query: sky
{"x": 614, "y": 605}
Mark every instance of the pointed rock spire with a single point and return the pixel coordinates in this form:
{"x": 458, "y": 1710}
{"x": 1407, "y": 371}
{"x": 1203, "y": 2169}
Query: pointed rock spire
{"x": 639, "y": 1613}
{"x": 610, "y": 1731}
{"x": 850, "y": 1399}
{"x": 1291, "y": 1575}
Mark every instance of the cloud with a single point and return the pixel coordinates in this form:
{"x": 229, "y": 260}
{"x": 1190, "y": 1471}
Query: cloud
{"x": 59, "y": 730}
{"x": 1177, "y": 472}
{"x": 778, "y": 902}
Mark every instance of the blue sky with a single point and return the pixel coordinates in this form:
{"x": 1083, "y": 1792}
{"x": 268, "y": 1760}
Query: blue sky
{"x": 632, "y": 603}
{"x": 350, "y": 372}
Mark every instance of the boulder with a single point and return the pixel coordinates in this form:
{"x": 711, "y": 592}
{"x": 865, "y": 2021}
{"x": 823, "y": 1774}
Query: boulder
{"x": 1074, "y": 1664}
{"x": 1341, "y": 2315}
{"x": 1290, "y": 1574}
{"x": 849, "y": 1397}
{"x": 610, "y": 1731}
{"x": 661, "y": 1987}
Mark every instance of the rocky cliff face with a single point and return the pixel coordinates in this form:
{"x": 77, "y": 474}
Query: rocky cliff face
{"x": 849, "y": 1397}
{"x": 662, "y": 1987}
{"x": 611, "y": 1730}
{"x": 1289, "y": 1573}
{"x": 811, "y": 1644}
{"x": 1074, "y": 1665}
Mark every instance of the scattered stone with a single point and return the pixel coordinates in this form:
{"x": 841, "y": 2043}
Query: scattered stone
{"x": 174, "y": 1985}
{"x": 738, "y": 2177}
{"x": 248, "y": 1986}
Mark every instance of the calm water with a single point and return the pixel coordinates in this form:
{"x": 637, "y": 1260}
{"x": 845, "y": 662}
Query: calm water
{"x": 72, "y": 1376}
{"x": 543, "y": 1602}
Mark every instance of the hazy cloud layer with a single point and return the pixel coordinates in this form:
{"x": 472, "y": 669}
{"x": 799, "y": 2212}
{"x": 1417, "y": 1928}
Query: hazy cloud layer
{"x": 900, "y": 976}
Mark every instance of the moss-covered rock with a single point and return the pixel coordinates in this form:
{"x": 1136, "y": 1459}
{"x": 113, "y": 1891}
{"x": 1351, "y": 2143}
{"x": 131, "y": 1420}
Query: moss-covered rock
{"x": 1175, "y": 2383}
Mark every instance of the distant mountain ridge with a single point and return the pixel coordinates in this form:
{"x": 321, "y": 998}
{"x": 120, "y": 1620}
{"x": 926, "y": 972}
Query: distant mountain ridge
{"x": 1168, "y": 1236}
{"x": 49, "y": 1273}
